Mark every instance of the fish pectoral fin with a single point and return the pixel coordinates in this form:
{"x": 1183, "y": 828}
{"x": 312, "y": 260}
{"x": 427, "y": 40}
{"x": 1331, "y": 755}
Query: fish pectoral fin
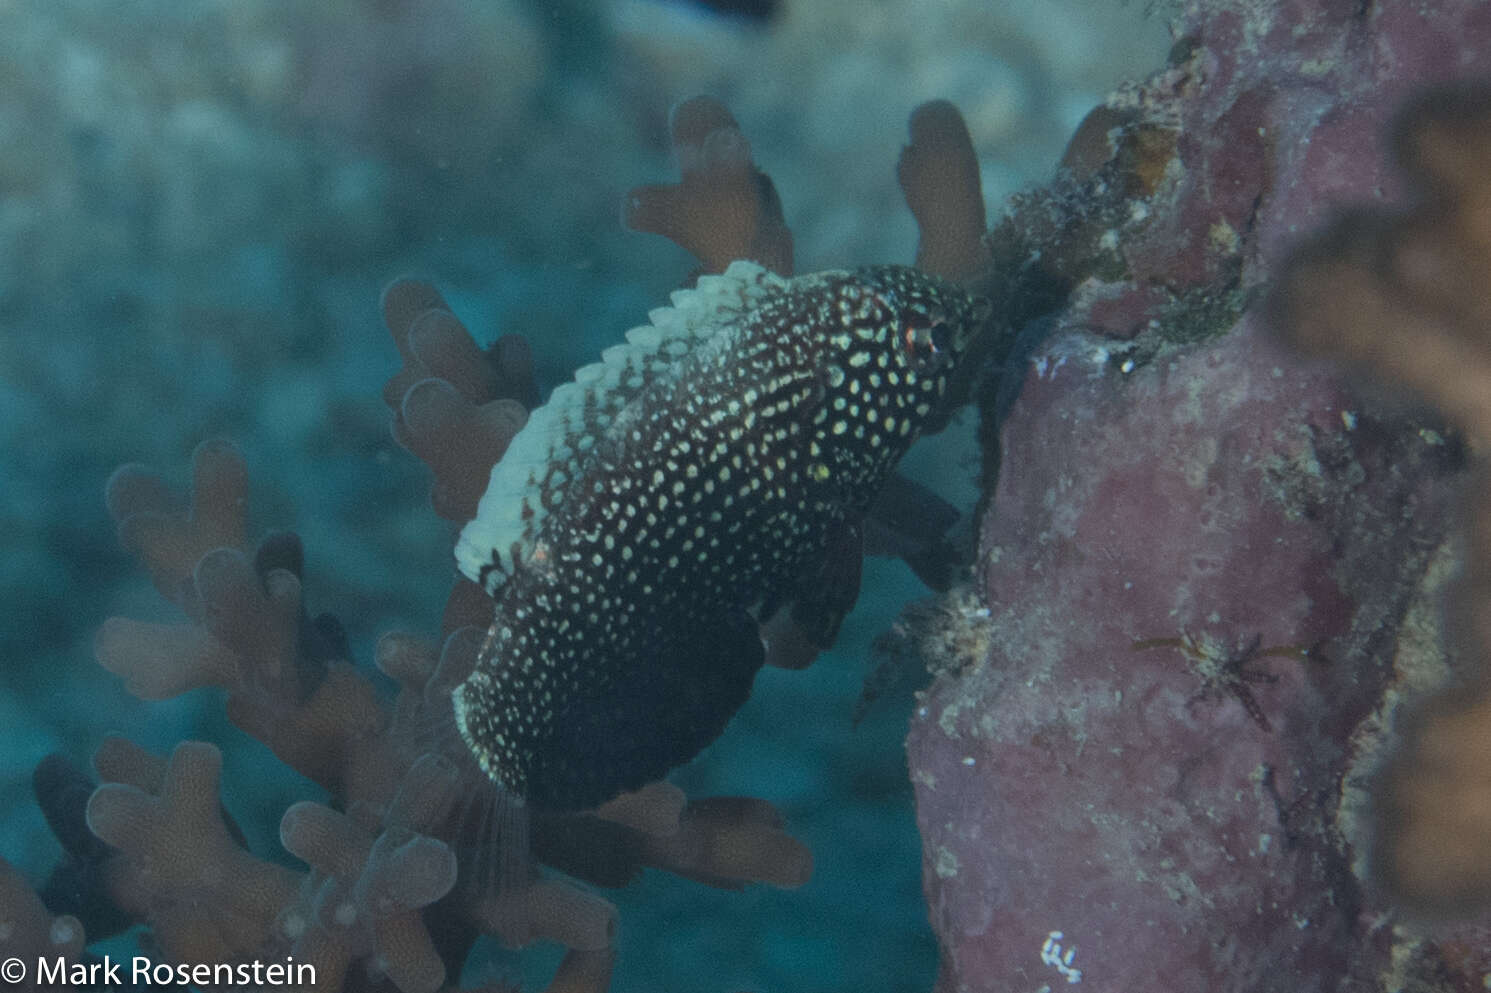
{"x": 810, "y": 623}
{"x": 910, "y": 522}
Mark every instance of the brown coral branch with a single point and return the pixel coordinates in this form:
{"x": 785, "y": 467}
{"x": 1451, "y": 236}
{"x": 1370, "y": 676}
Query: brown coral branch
{"x": 29, "y": 933}
{"x": 434, "y": 344}
{"x": 161, "y": 661}
{"x": 460, "y": 441}
{"x": 206, "y": 898}
{"x": 369, "y": 896}
{"x": 723, "y": 208}
{"x": 168, "y": 538}
{"x": 729, "y": 841}
{"x": 456, "y": 407}
{"x": 1404, "y": 296}
{"x": 939, "y": 176}
{"x": 550, "y": 910}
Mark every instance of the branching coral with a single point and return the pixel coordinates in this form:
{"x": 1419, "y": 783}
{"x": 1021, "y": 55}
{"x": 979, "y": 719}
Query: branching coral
{"x": 403, "y": 868}
{"x": 381, "y": 897}
{"x": 1403, "y": 295}
{"x": 28, "y": 931}
{"x": 723, "y": 208}
{"x": 939, "y": 177}
{"x": 455, "y": 406}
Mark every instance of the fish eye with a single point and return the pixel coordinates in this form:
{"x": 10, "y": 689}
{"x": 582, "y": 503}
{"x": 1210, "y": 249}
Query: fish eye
{"x": 926, "y": 340}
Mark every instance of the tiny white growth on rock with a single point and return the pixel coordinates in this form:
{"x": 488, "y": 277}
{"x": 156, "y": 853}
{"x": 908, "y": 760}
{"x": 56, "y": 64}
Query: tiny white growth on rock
{"x": 1052, "y": 955}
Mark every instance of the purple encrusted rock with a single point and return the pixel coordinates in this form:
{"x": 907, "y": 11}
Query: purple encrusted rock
{"x": 1197, "y": 562}
{"x": 1156, "y": 806}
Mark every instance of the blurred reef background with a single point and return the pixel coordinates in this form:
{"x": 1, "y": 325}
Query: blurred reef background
{"x": 199, "y": 204}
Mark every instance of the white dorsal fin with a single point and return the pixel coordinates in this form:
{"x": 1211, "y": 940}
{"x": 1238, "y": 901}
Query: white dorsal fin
{"x": 553, "y": 448}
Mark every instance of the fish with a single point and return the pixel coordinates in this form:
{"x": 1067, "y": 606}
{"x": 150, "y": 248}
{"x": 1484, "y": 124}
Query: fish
{"x": 658, "y": 510}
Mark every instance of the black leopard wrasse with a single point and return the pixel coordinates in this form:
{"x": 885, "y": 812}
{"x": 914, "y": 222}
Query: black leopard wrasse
{"x": 650, "y": 514}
